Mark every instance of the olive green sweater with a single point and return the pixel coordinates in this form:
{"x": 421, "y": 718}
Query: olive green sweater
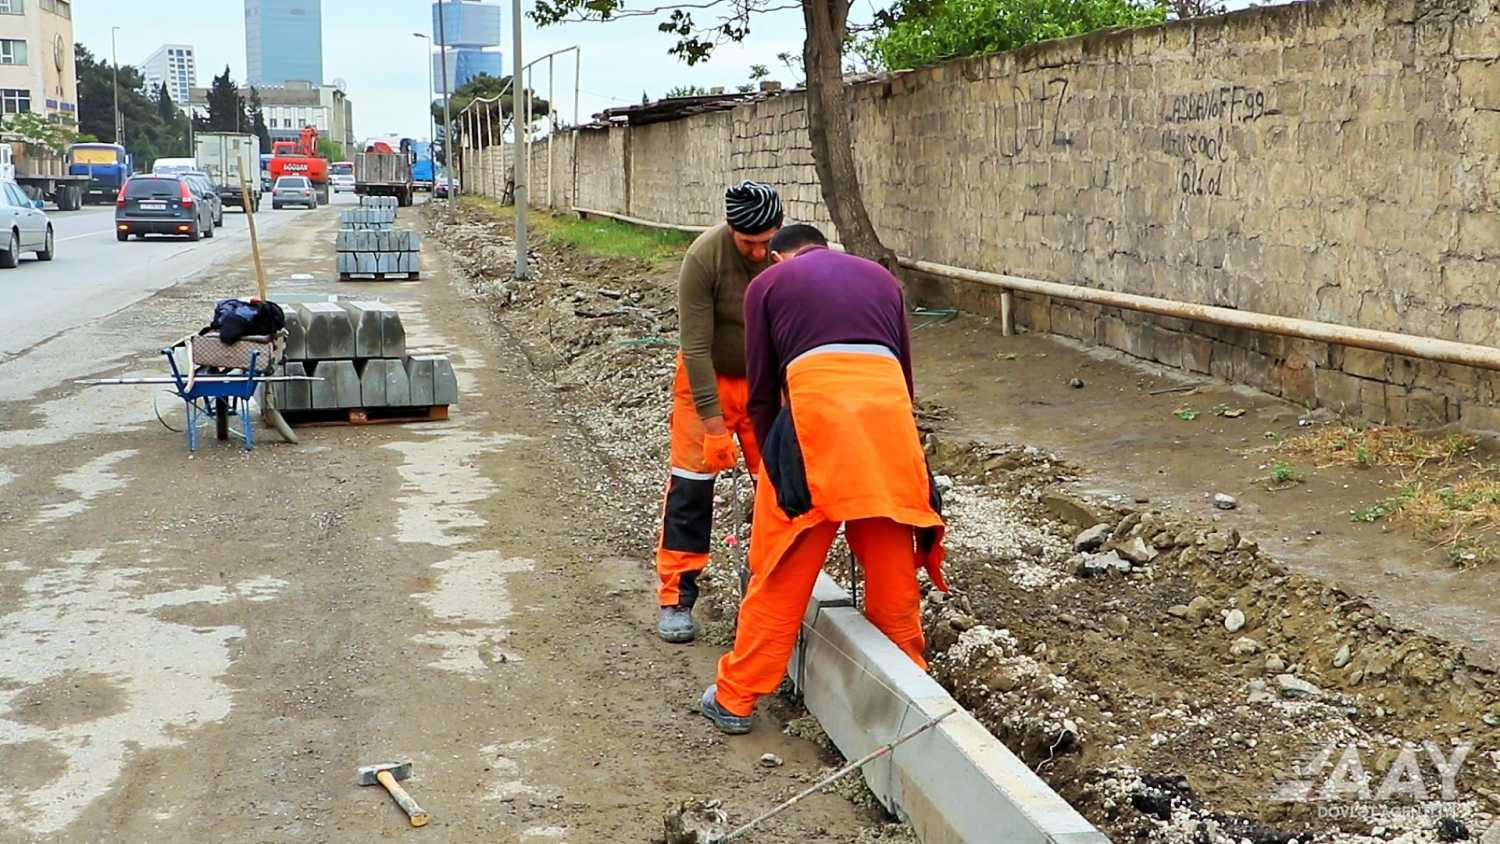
{"x": 711, "y": 314}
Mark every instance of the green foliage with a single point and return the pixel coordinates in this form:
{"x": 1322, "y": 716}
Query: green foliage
{"x": 330, "y": 150}
{"x": 610, "y": 239}
{"x": 487, "y": 87}
{"x": 920, "y": 32}
{"x": 1186, "y": 414}
{"x": 226, "y": 108}
{"x": 36, "y": 129}
{"x": 257, "y": 117}
{"x": 1285, "y": 473}
{"x": 149, "y": 134}
{"x": 686, "y": 91}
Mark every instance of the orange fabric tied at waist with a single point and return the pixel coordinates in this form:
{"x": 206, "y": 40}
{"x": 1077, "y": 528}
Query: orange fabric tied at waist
{"x": 846, "y": 447}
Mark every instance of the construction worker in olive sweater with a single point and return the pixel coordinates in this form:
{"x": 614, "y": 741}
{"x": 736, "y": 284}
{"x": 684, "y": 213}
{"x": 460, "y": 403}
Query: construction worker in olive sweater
{"x": 709, "y": 392}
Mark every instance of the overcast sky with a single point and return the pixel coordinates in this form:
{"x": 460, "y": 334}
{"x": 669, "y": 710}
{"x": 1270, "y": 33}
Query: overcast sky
{"x": 369, "y": 44}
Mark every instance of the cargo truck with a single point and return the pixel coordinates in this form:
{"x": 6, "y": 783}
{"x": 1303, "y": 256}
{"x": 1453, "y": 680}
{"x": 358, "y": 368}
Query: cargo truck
{"x": 107, "y": 166}
{"x": 41, "y": 172}
{"x": 421, "y": 166}
{"x": 382, "y": 171}
{"x": 227, "y": 157}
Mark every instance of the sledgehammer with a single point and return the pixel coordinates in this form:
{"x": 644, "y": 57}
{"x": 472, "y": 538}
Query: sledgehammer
{"x": 389, "y": 775}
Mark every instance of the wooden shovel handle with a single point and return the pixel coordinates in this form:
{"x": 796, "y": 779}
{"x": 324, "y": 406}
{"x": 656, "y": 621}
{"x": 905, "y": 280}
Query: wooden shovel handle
{"x": 417, "y": 814}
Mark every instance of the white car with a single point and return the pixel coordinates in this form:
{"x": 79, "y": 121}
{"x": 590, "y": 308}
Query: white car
{"x": 24, "y": 227}
{"x": 342, "y": 182}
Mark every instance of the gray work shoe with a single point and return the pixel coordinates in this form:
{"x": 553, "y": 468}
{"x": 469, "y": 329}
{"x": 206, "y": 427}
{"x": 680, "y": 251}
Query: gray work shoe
{"x": 726, "y": 721}
{"x": 676, "y": 625}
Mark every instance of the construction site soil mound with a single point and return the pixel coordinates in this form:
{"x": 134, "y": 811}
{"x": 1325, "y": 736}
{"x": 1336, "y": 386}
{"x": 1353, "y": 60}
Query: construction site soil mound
{"x": 1165, "y": 675}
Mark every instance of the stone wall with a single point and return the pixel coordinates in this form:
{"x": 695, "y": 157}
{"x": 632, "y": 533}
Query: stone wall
{"x": 1337, "y": 160}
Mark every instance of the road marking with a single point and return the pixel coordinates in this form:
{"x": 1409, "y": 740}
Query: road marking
{"x": 76, "y": 236}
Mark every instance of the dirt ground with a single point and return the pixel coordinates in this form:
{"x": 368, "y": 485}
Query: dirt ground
{"x": 1176, "y": 676}
{"x": 203, "y": 648}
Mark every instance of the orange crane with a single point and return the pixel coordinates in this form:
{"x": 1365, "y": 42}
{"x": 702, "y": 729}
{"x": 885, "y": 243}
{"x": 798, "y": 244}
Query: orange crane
{"x": 300, "y": 158}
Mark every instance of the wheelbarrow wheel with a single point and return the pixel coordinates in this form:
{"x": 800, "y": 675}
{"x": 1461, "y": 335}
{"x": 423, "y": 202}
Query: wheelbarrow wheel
{"x": 221, "y": 418}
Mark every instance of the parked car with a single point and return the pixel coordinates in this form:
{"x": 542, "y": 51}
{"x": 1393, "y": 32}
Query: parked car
{"x": 442, "y": 186}
{"x": 159, "y": 204}
{"x": 24, "y": 226}
{"x": 293, "y": 190}
{"x": 203, "y": 187}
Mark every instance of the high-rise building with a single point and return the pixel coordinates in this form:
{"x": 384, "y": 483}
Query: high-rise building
{"x": 283, "y": 41}
{"x": 470, "y": 28}
{"x": 174, "y": 65}
{"x": 37, "y": 73}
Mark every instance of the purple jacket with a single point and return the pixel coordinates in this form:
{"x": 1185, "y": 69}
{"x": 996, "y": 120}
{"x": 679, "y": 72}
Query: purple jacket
{"x": 817, "y": 298}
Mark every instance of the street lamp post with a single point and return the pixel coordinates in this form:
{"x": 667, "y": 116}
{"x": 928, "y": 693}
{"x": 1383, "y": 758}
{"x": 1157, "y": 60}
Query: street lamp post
{"x": 517, "y": 101}
{"x": 431, "y": 121}
{"x": 442, "y": 37}
{"x": 114, "y": 66}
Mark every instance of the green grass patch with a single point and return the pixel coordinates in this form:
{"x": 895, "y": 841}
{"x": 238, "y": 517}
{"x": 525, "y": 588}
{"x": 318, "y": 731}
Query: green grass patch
{"x": 607, "y": 238}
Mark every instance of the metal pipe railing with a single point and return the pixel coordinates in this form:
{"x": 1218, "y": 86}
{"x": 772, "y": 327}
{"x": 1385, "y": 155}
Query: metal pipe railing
{"x": 1407, "y": 345}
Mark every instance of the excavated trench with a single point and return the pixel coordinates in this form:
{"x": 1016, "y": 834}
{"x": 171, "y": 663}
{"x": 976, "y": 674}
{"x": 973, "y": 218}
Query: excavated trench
{"x": 1166, "y": 676}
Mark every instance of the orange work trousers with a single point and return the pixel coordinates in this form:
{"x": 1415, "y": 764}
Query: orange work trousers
{"x": 683, "y": 545}
{"x": 776, "y": 601}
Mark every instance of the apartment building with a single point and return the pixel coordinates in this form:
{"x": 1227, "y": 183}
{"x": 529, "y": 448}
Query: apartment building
{"x": 37, "y": 72}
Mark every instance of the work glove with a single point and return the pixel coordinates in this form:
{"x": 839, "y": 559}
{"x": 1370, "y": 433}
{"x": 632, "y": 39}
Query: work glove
{"x": 719, "y": 453}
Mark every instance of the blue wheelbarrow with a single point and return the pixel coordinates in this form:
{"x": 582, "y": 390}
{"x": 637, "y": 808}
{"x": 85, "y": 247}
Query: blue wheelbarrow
{"x": 218, "y": 380}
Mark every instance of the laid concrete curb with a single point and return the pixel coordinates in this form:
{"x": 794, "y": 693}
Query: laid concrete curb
{"x": 954, "y": 783}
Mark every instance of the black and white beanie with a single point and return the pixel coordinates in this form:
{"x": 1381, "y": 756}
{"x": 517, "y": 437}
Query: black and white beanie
{"x": 752, "y": 207}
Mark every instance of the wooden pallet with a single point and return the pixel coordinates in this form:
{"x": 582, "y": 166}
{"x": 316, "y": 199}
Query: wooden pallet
{"x": 365, "y": 416}
{"x": 380, "y": 277}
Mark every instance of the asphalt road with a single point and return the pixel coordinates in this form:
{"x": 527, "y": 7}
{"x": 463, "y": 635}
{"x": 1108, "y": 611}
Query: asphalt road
{"x": 95, "y": 275}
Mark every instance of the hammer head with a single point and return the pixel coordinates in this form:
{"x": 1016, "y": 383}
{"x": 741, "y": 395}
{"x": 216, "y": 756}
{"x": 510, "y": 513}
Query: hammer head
{"x": 367, "y": 774}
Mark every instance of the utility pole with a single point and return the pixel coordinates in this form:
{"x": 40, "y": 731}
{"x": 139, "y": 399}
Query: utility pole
{"x": 442, "y": 37}
{"x": 114, "y": 66}
{"x": 517, "y": 73}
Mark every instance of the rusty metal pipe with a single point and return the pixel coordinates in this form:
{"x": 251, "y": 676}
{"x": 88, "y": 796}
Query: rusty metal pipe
{"x": 1407, "y": 345}
{"x": 1427, "y": 348}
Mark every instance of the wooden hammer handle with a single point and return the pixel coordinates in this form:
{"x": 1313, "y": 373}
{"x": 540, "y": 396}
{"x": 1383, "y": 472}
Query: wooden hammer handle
{"x": 417, "y": 814}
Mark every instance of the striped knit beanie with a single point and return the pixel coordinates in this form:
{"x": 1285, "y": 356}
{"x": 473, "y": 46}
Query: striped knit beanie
{"x": 752, "y": 207}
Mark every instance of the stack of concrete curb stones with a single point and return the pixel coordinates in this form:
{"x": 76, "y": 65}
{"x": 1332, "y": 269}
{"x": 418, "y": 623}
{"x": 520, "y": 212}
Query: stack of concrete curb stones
{"x": 369, "y": 244}
{"x": 358, "y": 349}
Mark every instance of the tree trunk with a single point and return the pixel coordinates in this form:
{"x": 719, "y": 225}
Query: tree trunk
{"x": 828, "y": 129}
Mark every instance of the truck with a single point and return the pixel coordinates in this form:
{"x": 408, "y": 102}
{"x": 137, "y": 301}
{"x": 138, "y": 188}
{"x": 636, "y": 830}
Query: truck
{"x": 421, "y": 166}
{"x": 41, "y": 171}
{"x": 383, "y": 171}
{"x": 231, "y": 159}
{"x": 107, "y": 166}
{"x": 300, "y": 158}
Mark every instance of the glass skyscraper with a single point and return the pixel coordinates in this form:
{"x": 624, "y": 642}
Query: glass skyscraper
{"x": 284, "y": 40}
{"x": 470, "y": 31}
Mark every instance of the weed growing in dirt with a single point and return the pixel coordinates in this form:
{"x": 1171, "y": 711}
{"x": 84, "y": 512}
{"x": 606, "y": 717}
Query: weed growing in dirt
{"x": 1186, "y": 414}
{"x": 611, "y": 239}
{"x": 1285, "y": 473}
{"x": 1403, "y": 448}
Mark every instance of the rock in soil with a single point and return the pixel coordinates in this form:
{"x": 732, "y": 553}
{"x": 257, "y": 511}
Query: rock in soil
{"x": 1198, "y": 609}
{"x": 1292, "y": 686}
{"x": 1137, "y": 550}
{"x": 770, "y": 760}
{"x": 696, "y": 822}
{"x": 1092, "y": 539}
{"x": 1342, "y": 658}
{"x": 1225, "y": 502}
{"x": 1244, "y": 646}
{"x": 1234, "y": 622}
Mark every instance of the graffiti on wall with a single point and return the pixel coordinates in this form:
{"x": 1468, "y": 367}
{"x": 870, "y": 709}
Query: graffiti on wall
{"x": 1197, "y": 128}
{"x": 1033, "y": 119}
